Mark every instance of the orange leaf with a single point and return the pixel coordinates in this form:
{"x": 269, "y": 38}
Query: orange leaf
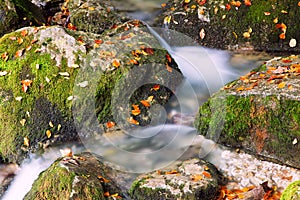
{"x": 110, "y": 124}
{"x": 168, "y": 67}
{"x": 282, "y": 36}
{"x": 98, "y": 41}
{"x": 28, "y": 48}
{"x": 227, "y": 6}
{"x": 25, "y": 84}
{"x": 267, "y": 13}
{"x": 201, "y": 2}
{"x": 168, "y": 58}
{"x": 12, "y": 37}
{"x": 48, "y": 133}
{"x": 4, "y": 56}
{"x": 145, "y": 103}
{"x": 247, "y": 2}
{"x": 299, "y": 3}
{"x": 20, "y": 40}
{"x": 136, "y": 110}
{"x": 196, "y": 177}
{"x": 116, "y": 63}
{"x": 71, "y": 27}
{"x": 155, "y": 87}
{"x": 281, "y": 85}
{"x": 206, "y": 174}
{"x": 33, "y": 41}
{"x": 172, "y": 172}
{"x": 106, "y": 194}
{"x": 24, "y": 33}
{"x": 132, "y": 121}
{"x": 240, "y": 88}
{"x": 102, "y": 179}
{"x": 19, "y": 53}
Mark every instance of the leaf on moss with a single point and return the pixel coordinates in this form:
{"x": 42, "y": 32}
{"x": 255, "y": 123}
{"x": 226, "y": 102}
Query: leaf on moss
{"x": 25, "y": 84}
{"x": 26, "y": 142}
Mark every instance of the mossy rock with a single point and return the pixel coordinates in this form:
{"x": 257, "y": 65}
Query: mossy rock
{"x": 15, "y": 14}
{"x": 190, "y": 179}
{"x": 291, "y": 192}
{"x": 52, "y": 58}
{"x": 258, "y": 113}
{"x": 76, "y": 177}
{"x": 232, "y": 25}
{"x": 93, "y": 16}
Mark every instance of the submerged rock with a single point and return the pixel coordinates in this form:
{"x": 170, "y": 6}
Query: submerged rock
{"x": 258, "y": 113}
{"x": 245, "y": 25}
{"x": 190, "y": 179}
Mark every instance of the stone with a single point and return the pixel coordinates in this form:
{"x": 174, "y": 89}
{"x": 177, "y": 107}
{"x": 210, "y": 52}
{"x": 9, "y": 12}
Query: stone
{"x": 258, "y": 112}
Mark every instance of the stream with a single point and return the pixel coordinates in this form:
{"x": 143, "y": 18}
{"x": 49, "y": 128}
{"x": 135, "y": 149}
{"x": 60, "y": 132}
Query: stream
{"x": 205, "y": 71}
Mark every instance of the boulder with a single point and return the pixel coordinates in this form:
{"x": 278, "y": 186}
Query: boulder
{"x": 48, "y": 71}
{"x": 236, "y": 25}
{"x": 190, "y": 179}
{"x": 258, "y": 112}
{"x": 17, "y": 14}
{"x": 80, "y": 176}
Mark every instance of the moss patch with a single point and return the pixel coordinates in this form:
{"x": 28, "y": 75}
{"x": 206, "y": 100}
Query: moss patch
{"x": 291, "y": 192}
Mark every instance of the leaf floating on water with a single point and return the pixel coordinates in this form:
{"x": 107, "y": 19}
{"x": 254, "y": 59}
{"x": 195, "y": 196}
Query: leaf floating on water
{"x": 48, "y": 133}
{"x": 83, "y": 84}
{"x": 26, "y": 142}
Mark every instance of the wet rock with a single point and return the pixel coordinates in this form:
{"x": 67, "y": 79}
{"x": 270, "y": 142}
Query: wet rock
{"x": 236, "y": 25}
{"x": 80, "y": 176}
{"x": 7, "y": 173}
{"x": 291, "y": 192}
{"x": 48, "y": 73}
{"x": 190, "y": 179}
{"x": 17, "y": 14}
{"x": 258, "y": 112}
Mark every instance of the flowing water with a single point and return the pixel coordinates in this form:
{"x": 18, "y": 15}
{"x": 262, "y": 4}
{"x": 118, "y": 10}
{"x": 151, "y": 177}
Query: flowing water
{"x": 205, "y": 70}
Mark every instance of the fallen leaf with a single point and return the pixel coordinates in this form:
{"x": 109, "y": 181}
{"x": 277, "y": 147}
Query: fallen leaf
{"x": 196, "y": 177}
{"x": 25, "y": 84}
{"x": 71, "y": 27}
{"x": 227, "y": 6}
{"x": 110, "y": 124}
{"x": 5, "y": 56}
{"x": 28, "y": 48}
{"x": 20, "y": 40}
{"x": 168, "y": 58}
{"x": 247, "y": 2}
{"x": 132, "y": 121}
{"x": 18, "y": 98}
{"x": 3, "y": 73}
{"x": 275, "y": 20}
{"x": 13, "y": 38}
{"x": 48, "y": 133}
{"x": 145, "y": 103}
{"x": 99, "y": 41}
{"x": 83, "y": 84}
{"x": 19, "y": 53}
{"x": 168, "y": 67}
{"x": 295, "y": 141}
{"x": 282, "y": 36}
{"x": 116, "y": 63}
{"x": 240, "y": 88}
{"x": 51, "y": 124}
{"x": 172, "y": 172}
{"x": 281, "y": 85}
{"x": 267, "y": 13}
{"x": 22, "y": 122}
{"x": 223, "y": 17}
{"x": 293, "y": 42}
{"x": 246, "y": 34}
{"x": 201, "y": 2}
{"x": 155, "y": 87}
{"x": 70, "y": 98}
{"x": 58, "y": 127}
{"x": 102, "y": 179}
{"x": 136, "y": 110}
{"x": 26, "y": 142}
{"x": 206, "y": 174}
{"x": 284, "y": 11}
{"x": 47, "y": 79}
{"x": 64, "y": 73}
{"x": 202, "y": 33}
{"x": 24, "y": 32}
{"x": 106, "y": 194}
{"x": 67, "y": 152}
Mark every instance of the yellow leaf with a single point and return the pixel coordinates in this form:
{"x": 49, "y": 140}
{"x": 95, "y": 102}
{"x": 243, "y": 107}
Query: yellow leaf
{"x": 26, "y": 141}
{"x": 23, "y": 121}
{"x": 48, "y": 133}
{"x": 196, "y": 177}
{"x": 275, "y": 20}
{"x": 246, "y": 35}
{"x": 281, "y": 85}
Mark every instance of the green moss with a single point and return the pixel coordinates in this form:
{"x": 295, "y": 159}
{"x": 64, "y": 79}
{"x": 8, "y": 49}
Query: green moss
{"x": 55, "y": 184}
{"x": 53, "y": 95}
{"x": 291, "y": 192}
